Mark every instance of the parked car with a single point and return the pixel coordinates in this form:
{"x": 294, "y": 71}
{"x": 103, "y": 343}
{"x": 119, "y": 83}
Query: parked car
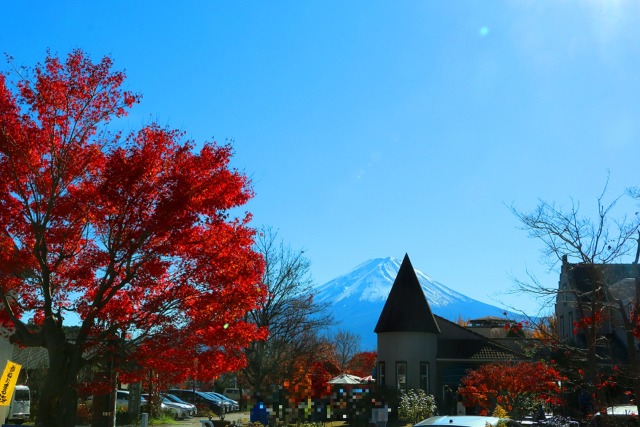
{"x": 622, "y": 410}
{"x": 624, "y": 415}
{"x": 200, "y": 399}
{"x": 20, "y": 406}
{"x": 193, "y": 410}
{"x": 226, "y": 405}
{"x": 122, "y": 400}
{"x": 178, "y": 410}
{"x": 466, "y": 421}
{"x": 232, "y": 404}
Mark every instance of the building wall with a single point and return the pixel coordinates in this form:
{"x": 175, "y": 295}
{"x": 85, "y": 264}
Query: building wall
{"x": 416, "y": 351}
{"x": 565, "y": 306}
{"x": 6, "y": 354}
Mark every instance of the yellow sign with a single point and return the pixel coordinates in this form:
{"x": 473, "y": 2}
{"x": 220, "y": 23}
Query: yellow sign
{"x": 8, "y": 382}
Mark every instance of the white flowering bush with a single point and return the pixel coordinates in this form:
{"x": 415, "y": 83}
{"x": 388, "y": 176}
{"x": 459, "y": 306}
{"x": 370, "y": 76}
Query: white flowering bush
{"x": 416, "y": 405}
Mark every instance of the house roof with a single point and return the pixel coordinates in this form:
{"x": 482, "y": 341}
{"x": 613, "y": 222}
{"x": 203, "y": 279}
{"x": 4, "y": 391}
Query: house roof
{"x": 490, "y": 321}
{"x": 480, "y": 350}
{"x": 461, "y": 343}
{"x": 586, "y": 277}
{"x": 30, "y": 357}
{"x": 406, "y": 308}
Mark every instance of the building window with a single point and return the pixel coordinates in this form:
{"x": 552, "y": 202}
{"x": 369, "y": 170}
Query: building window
{"x": 571, "y": 325}
{"x": 424, "y": 376}
{"x": 381, "y": 374}
{"x": 401, "y": 376}
{"x": 561, "y": 323}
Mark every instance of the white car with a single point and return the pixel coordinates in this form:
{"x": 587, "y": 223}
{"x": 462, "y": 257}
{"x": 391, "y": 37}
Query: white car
{"x": 193, "y": 410}
{"x": 621, "y": 411}
{"x": 465, "y": 421}
{"x": 178, "y": 410}
{"x": 20, "y": 406}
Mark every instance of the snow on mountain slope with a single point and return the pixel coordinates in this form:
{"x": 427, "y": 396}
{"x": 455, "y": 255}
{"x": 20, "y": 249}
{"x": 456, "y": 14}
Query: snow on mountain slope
{"x": 370, "y": 281}
{"x": 357, "y": 298}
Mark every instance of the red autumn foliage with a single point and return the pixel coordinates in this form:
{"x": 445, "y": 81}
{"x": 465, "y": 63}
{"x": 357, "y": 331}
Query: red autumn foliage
{"x": 515, "y": 329}
{"x": 514, "y": 386}
{"x": 313, "y": 383}
{"x": 588, "y": 322}
{"x": 363, "y": 363}
{"x": 130, "y": 237}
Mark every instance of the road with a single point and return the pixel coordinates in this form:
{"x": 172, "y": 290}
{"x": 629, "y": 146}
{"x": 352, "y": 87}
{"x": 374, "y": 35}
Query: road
{"x": 234, "y": 417}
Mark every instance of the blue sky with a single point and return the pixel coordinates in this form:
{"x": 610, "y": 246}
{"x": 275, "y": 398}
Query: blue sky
{"x": 379, "y": 128}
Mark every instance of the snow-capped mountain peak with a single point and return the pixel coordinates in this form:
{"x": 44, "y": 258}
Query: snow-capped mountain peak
{"x": 357, "y": 298}
{"x": 372, "y": 280}
{"x": 369, "y": 281}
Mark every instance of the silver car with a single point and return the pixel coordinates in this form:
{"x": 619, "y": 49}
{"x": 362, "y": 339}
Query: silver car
{"x": 465, "y": 421}
{"x": 193, "y": 410}
{"x": 178, "y": 410}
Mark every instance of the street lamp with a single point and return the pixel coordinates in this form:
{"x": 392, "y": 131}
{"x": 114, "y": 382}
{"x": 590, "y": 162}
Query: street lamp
{"x": 195, "y": 373}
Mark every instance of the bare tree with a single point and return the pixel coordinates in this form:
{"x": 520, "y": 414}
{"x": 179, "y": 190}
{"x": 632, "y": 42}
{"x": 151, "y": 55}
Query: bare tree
{"x": 294, "y": 320}
{"x": 585, "y": 246}
{"x": 568, "y": 233}
{"x": 344, "y": 345}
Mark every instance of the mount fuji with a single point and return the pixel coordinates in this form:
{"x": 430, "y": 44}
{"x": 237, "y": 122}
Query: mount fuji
{"x": 357, "y": 298}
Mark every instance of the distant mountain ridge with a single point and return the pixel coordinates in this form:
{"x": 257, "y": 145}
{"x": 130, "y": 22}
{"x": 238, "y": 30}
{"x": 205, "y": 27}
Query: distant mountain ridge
{"x": 357, "y": 298}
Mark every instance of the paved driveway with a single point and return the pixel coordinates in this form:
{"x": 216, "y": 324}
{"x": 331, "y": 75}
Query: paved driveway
{"x": 238, "y": 417}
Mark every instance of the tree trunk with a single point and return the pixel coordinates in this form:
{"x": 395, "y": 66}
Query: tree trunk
{"x": 58, "y": 401}
{"x": 135, "y": 391}
{"x": 104, "y": 403}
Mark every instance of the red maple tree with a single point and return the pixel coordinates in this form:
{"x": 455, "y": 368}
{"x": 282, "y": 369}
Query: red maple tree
{"x": 129, "y": 236}
{"x": 513, "y": 386}
{"x": 363, "y": 363}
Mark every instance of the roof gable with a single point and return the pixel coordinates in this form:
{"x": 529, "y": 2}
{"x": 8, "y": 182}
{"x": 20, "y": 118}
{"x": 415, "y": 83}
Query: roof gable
{"x": 406, "y": 308}
{"x": 479, "y": 350}
{"x": 459, "y": 343}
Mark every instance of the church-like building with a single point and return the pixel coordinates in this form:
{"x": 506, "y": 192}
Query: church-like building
{"x": 419, "y": 350}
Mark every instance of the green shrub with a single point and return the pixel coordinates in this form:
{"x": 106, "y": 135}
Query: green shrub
{"x": 163, "y": 419}
{"x": 416, "y": 405}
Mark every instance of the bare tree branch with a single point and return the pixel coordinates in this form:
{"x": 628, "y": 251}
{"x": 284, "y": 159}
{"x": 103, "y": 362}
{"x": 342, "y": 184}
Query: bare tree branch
{"x": 293, "y": 318}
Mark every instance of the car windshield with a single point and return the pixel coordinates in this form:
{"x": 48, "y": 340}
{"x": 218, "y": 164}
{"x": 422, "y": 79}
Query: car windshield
{"x": 124, "y": 395}
{"x": 173, "y": 398}
{"x": 207, "y": 396}
{"x": 221, "y": 396}
{"x": 215, "y": 396}
{"x": 21, "y": 395}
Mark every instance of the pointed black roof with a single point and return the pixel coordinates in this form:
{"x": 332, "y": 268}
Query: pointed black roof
{"x": 406, "y": 309}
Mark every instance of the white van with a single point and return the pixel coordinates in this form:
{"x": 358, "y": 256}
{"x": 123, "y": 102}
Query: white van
{"x": 236, "y": 394}
{"x": 20, "y": 408}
